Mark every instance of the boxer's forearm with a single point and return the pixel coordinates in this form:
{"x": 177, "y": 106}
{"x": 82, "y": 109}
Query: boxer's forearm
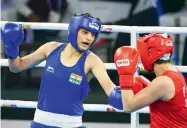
{"x": 127, "y": 97}
{"x": 14, "y": 64}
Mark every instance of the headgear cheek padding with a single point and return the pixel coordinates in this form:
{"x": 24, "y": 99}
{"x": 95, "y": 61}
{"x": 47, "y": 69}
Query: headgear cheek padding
{"x": 78, "y": 21}
{"x": 152, "y": 47}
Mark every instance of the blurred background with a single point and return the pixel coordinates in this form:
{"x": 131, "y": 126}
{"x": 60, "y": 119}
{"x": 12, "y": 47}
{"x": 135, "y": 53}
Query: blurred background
{"x": 25, "y": 85}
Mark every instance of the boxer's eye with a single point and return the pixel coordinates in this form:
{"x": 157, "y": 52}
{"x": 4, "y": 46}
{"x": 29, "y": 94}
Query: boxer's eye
{"x": 85, "y": 32}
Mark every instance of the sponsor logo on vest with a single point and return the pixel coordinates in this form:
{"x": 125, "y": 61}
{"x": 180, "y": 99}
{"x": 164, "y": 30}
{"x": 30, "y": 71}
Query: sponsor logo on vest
{"x": 50, "y": 69}
{"x": 75, "y": 79}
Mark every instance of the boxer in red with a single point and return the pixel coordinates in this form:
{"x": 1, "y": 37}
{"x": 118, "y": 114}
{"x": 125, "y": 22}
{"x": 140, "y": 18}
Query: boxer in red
{"x": 166, "y": 95}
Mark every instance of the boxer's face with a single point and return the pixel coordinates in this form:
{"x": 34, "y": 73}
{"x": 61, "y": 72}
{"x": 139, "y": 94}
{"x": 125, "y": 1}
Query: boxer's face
{"x": 85, "y": 39}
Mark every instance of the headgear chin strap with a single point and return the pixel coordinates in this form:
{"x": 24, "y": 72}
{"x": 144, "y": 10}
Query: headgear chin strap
{"x": 153, "y": 47}
{"x": 82, "y": 21}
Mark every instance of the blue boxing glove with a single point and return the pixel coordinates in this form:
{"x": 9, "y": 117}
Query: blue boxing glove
{"x": 12, "y": 36}
{"x": 115, "y": 98}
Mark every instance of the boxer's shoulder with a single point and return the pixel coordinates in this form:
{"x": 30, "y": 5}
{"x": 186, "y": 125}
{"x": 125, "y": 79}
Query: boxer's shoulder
{"x": 165, "y": 86}
{"x": 92, "y": 61}
{"x": 162, "y": 80}
{"x": 50, "y": 46}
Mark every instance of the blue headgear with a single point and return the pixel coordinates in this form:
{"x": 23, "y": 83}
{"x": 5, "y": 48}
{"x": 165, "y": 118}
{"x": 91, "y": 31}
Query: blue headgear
{"x": 82, "y": 21}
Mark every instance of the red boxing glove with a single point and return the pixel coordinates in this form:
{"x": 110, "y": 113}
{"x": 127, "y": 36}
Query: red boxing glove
{"x": 140, "y": 83}
{"x": 137, "y": 86}
{"x": 126, "y": 60}
{"x": 144, "y": 81}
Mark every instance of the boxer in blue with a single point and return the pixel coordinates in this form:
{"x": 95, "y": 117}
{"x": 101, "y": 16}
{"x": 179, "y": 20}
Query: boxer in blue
{"x": 64, "y": 84}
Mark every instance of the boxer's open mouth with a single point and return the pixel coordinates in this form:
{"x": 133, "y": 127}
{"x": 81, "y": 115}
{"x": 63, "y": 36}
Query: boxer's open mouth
{"x": 85, "y": 43}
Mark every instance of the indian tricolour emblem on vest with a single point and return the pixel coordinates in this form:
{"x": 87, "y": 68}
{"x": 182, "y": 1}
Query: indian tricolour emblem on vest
{"x": 76, "y": 79}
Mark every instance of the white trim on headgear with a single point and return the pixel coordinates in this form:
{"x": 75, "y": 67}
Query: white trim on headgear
{"x": 166, "y": 56}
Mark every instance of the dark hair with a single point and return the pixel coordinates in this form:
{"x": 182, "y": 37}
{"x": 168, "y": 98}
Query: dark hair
{"x": 88, "y": 15}
{"x": 159, "y": 61}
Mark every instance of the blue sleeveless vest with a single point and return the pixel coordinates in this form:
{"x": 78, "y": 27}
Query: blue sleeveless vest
{"x": 62, "y": 88}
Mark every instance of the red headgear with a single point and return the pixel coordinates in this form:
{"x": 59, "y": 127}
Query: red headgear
{"x": 152, "y": 47}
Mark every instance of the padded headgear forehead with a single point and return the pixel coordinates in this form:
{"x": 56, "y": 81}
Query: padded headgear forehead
{"x": 152, "y": 47}
{"x": 78, "y": 21}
